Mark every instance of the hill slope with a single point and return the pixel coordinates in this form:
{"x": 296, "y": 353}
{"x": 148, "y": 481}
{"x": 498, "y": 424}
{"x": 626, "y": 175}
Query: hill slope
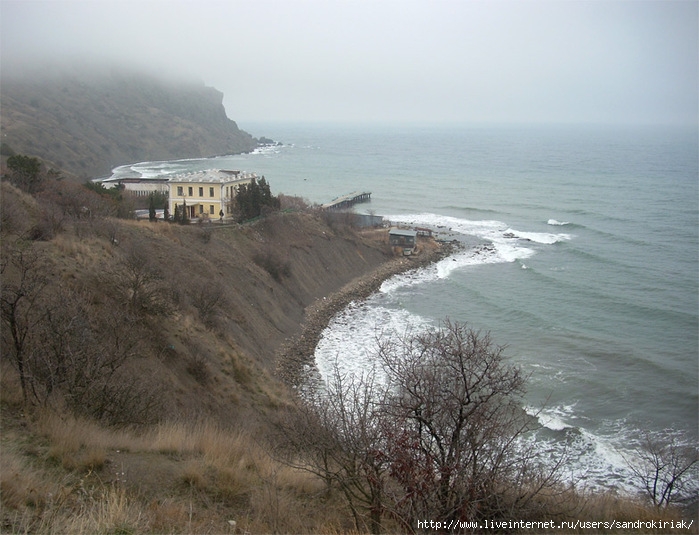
{"x": 233, "y": 294}
{"x": 88, "y": 122}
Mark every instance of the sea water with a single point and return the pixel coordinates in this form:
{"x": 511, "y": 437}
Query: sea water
{"x": 581, "y": 256}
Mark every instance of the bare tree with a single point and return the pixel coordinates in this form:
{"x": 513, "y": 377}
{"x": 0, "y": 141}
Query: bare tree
{"x": 456, "y": 423}
{"x": 68, "y": 352}
{"x": 137, "y": 283}
{"x": 336, "y": 434}
{"x": 439, "y": 435}
{"x": 23, "y": 284}
{"x": 662, "y": 465}
{"x": 207, "y": 298}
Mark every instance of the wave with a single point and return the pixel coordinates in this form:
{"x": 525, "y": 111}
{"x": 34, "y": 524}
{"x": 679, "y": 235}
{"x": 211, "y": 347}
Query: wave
{"x": 501, "y": 244}
{"x": 268, "y": 149}
{"x": 538, "y": 237}
{"x": 157, "y": 168}
{"x": 557, "y": 223}
{"x": 349, "y": 342}
{"x": 470, "y": 209}
{"x": 482, "y": 254}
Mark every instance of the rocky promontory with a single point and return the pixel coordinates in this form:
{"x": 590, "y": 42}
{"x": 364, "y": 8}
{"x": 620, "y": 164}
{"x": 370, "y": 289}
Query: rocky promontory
{"x": 86, "y": 121}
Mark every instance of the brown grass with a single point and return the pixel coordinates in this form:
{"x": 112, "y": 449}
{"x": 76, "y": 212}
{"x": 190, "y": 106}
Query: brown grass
{"x": 212, "y": 465}
{"x": 60, "y": 484}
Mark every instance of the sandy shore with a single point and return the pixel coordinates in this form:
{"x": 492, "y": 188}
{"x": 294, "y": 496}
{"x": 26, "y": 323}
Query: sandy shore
{"x": 297, "y": 353}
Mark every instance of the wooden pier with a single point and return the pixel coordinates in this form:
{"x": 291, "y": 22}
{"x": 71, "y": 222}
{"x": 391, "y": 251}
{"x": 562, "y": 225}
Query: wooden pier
{"x": 347, "y": 201}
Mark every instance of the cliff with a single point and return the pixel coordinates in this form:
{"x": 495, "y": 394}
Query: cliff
{"x": 88, "y": 121}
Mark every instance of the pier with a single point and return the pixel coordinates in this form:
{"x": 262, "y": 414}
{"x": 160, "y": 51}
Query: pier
{"x": 347, "y": 201}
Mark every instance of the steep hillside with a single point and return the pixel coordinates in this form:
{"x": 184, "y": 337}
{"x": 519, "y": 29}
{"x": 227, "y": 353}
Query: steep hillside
{"x": 215, "y": 302}
{"x": 87, "y": 122}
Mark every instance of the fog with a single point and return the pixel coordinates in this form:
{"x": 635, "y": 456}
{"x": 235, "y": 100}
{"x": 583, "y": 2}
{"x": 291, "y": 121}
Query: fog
{"x": 407, "y": 60}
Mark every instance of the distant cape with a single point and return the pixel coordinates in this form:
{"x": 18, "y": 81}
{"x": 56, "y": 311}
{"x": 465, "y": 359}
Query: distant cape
{"x": 88, "y": 121}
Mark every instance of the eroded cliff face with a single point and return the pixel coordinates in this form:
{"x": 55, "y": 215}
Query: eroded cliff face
{"x": 88, "y": 121}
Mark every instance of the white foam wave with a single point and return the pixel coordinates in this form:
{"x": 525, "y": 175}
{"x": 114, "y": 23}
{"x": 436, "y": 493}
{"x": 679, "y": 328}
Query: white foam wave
{"x": 504, "y": 245}
{"x": 443, "y": 268}
{"x": 557, "y": 223}
{"x": 349, "y": 346}
{"x": 267, "y": 149}
{"x": 349, "y": 343}
{"x": 155, "y": 169}
{"x": 555, "y": 418}
{"x": 537, "y": 237}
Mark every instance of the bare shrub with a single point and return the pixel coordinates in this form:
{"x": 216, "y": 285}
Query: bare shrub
{"x": 439, "y": 437}
{"x": 340, "y": 220}
{"x": 204, "y": 232}
{"x": 137, "y": 284}
{"x": 23, "y": 285}
{"x": 293, "y": 203}
{"x": 664, "y": 466}
{"x": 273, "y": 264}
{"x": 207, "y": 298}
{"x": 108, "y": 228}
{"x": 197, "y": 368}
{"x": 67, "y": 353}
{"x": 81, "y": 359}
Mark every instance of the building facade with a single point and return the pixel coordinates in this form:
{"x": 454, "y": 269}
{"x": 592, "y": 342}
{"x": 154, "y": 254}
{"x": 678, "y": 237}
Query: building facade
{"x": 206, "y": 194}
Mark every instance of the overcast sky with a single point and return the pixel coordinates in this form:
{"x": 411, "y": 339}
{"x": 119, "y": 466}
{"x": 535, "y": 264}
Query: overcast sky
{"x": 407, "y": 60}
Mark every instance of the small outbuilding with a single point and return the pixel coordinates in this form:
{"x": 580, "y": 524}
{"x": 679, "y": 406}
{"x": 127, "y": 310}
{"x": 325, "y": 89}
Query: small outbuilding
{"x": 404, "y": 239}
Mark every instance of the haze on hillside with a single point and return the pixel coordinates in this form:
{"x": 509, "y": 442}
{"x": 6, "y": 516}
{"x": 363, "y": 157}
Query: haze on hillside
{"x": 408, "y": 61}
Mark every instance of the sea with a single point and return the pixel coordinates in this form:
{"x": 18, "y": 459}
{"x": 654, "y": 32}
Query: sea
{"x": 581, "y": 257}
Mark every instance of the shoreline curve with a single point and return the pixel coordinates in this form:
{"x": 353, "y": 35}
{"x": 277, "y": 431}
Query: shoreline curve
{"x": 297, "y": 353}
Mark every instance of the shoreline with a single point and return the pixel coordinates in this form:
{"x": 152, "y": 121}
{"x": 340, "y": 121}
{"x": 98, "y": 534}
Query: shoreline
{"x": 297, "y": 352}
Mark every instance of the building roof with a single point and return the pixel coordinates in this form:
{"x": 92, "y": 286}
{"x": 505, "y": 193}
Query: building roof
{"x": 402, "y": 232}
{"x": 213, "y": 175}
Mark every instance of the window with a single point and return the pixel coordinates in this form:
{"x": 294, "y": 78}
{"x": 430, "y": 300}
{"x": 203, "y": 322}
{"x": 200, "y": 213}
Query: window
{"x": 201, "y": 208}
{"x": 179, "y": 191}
{"x": 190, "y": 190}
{"x": 201, "y": 192}
{"x": 211, "y": 193}
{"x": 211, "y": 208}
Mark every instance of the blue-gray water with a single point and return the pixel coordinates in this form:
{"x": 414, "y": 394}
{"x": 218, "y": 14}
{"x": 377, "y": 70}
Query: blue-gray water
{"x": 597, "y": 295}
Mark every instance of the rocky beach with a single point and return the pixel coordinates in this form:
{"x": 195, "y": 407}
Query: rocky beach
{"x": 295, "y": 355}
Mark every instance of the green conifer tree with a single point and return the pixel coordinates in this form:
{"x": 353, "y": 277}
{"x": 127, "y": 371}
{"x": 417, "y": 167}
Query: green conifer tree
{"x": 152, "y": 217}
{"x": 184, "y": 219}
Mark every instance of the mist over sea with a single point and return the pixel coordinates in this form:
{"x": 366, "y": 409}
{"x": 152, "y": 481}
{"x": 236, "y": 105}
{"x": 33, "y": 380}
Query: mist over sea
{"x": 582, "y": 258}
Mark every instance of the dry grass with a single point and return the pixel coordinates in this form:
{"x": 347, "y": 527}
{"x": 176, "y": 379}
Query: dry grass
{"x": 10, "y": 389}
{"x": 213, "y": 466}
{"x": 86, "y": 252}
{"x": 21, "y": 485}
{"x": 217, "y": 475}
{"x": 71, "y": 434}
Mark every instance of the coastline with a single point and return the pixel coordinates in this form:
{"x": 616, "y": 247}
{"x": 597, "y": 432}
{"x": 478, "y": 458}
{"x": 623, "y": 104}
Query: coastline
{"x": 297, "y": 353}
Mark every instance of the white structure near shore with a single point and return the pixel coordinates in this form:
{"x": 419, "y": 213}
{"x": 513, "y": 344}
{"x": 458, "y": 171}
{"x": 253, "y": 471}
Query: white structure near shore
{"x": 141, "y": 187}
